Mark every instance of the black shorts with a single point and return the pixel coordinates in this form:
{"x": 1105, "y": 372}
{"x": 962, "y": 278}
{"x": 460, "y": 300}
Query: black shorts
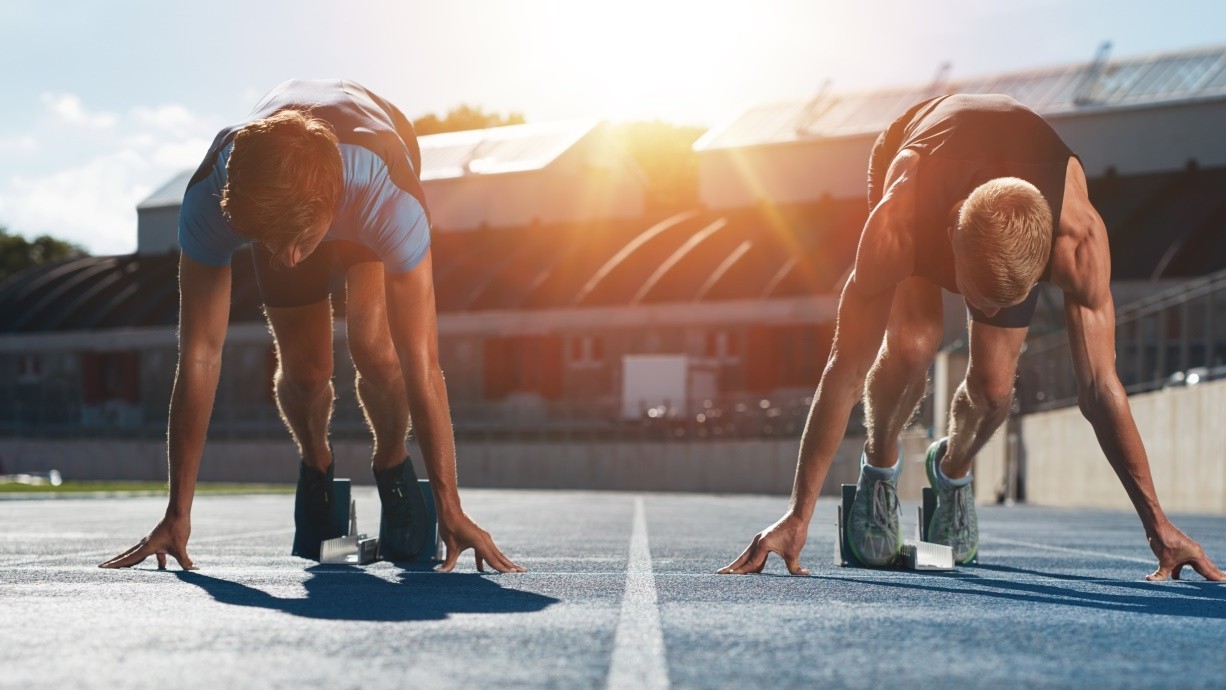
{"x": 1017, "y": 316}
{"x": 313, "y": 279}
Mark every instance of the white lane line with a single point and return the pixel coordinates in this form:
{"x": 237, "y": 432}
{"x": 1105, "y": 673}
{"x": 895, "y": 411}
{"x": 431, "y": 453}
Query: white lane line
{"x": 1061, "y": 549}
{"x": 27, "y": 560}
{"x": 638, "y": 648}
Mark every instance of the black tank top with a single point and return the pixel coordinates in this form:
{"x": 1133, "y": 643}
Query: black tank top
{"x": 963, "y": 141}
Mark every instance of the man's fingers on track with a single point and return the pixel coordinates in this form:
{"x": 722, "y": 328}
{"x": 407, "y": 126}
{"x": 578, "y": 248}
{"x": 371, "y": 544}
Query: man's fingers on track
{"x": 185, "y": 561}
{"x": 1206, "y": 569}
{"x": 757, "y": 560}
{"x": 129, "y": 558}
{"x": 793, "y": 563}
{"x": 161, "y": 556}
{"x": 453, "y": 555}
{"x": 734, "y": 568}
{"x": 495, "y": 558}
{"x": 508, "y": 566}
{"x": 480, "y": 562}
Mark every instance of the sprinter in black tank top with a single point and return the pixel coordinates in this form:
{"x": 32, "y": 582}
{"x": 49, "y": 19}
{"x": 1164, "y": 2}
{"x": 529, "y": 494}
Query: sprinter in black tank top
{"x": 934, "y": 174}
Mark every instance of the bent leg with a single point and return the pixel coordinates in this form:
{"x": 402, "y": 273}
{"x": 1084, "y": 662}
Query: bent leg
{"x": 380, "y": 380}
{"x": 303, "y": 382}
{"x": 982, "y": 401}
{"x": 899, "y": 376}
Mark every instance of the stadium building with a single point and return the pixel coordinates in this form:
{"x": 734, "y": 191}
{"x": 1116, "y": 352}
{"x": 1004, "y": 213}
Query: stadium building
{"x": 566, "y": 307}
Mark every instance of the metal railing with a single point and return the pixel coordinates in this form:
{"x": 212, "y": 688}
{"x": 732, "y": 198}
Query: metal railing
{"x": 1176, "y": 337}
{"x": 742, "y": 416}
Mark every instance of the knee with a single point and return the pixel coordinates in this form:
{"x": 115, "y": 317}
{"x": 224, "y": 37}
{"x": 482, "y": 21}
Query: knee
{"x": 992, "y": 393}
{"x": 914, "y": 348}
{"x": 304, "y": 375}
{"x": 378, "y": 364}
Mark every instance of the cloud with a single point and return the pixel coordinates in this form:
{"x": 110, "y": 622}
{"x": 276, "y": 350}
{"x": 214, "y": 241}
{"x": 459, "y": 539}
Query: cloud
{"x": 170, "y": 118}
{"x": 20, "y": 143}
{"x": 92, "y": 204}
{"x": 69, "y": 109}
{"x": 91, "y": 200}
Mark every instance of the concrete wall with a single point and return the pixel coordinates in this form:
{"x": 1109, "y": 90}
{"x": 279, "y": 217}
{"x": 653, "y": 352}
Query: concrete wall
{"x": 801, "y": 172}
{"x": 1146, "y": 139}
{"x": 758, "y": 466}
{"x": 590, "y": 182}
{"x": 157, "y": 230}
{"x": 1184, "y": 435}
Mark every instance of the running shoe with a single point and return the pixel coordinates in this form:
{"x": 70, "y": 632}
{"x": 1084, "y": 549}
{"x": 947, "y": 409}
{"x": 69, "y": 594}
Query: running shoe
{"x": 313, "y": 517}
{"x": 403, "y": 527}
{"x": 873, "y": 530}
{"x": 953, "y": 522}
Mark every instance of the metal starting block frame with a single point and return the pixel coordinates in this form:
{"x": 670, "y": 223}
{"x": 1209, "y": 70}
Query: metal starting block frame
{"x": 916, "y": 554}
{"x": 358, "y": 549}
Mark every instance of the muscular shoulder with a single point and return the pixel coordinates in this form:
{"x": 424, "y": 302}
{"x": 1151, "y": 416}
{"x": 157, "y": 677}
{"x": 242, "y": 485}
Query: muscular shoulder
{"x": 380, "y": 213}
{"x": 886, "y": 254}
{"x": 1081, "y": 255}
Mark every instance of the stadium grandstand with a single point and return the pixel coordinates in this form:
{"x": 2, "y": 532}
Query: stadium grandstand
{"x": 556, "y": 287}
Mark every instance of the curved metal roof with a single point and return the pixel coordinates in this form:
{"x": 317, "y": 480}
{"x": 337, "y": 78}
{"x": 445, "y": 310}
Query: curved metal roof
{"x": 1155, "y": 79}
{"x": 1162, "y": 225}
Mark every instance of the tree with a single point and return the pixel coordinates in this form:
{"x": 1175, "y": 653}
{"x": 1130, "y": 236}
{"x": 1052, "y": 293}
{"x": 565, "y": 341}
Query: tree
{"x": 463, "y": 118}
{"x": 17, "y": 253}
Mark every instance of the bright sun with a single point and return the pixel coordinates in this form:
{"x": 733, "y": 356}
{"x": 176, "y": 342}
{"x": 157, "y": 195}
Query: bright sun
{"x": 639, "y": 58}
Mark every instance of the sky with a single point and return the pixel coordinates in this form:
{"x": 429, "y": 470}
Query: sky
{"x": 107, "y": 100}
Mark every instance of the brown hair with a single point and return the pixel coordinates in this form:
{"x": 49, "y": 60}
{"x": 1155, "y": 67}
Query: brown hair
{"x": 284, "y": 176}
{"x": 1005, "y": 230}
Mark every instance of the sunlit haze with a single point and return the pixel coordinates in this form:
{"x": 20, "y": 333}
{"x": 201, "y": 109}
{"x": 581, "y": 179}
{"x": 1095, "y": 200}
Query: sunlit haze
{"x": 106, "y": 101}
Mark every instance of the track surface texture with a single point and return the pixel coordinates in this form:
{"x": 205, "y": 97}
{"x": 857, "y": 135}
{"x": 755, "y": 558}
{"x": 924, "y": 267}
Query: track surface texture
{"x": 620, "y": 593}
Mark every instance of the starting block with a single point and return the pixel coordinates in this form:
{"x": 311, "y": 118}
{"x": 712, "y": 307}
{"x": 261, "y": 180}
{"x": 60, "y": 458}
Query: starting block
{"x": 432, "y": 551}
{"x": 358, "y": 549}
{"x": 916, "y": 554}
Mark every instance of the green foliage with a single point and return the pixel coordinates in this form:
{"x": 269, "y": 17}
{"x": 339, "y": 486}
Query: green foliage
{"x": 464, "y": 118}
{"x": 664, "y": 153}
{"x": 17, "y": 253}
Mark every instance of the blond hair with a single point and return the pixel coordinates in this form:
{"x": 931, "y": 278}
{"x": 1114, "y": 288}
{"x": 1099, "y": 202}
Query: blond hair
{"x": 284, "y": 176}
{"x": 1004, "y": 233}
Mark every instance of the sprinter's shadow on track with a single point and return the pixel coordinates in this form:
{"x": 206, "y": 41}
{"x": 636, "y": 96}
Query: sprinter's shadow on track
{"x": 349, "y": 593}
{"x": 1184, "y": 598}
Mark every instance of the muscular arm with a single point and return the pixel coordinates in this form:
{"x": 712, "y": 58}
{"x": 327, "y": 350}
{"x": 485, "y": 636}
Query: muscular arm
{"x": 1090, "y": 312}
{"x": 414, "y": 325}
{"x": 884, "y": 258}
{"x": 861, "y": 325}
{"x": 204, "y": 312}
{"x": 1101, "y": 396}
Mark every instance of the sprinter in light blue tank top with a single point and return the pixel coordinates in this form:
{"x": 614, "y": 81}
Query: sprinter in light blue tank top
{"x": 321, "y": 174}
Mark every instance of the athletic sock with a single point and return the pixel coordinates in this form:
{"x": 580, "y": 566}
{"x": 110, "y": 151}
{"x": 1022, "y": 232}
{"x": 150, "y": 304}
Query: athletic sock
{"x": 947, "y": 483}
{"x": 888, "y": 473}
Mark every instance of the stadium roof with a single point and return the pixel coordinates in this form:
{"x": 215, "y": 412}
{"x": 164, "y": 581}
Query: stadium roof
{"x": 1162, "y": 225}
{"x": 169, "y": 194}
{"x": 1151, "y": 80}
{"x": 514, "y": 148}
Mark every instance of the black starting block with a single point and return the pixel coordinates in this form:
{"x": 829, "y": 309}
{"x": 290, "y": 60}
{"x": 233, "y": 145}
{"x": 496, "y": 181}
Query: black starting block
{"x": 916, "y": 554}
{"x": 358, "y": 549}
